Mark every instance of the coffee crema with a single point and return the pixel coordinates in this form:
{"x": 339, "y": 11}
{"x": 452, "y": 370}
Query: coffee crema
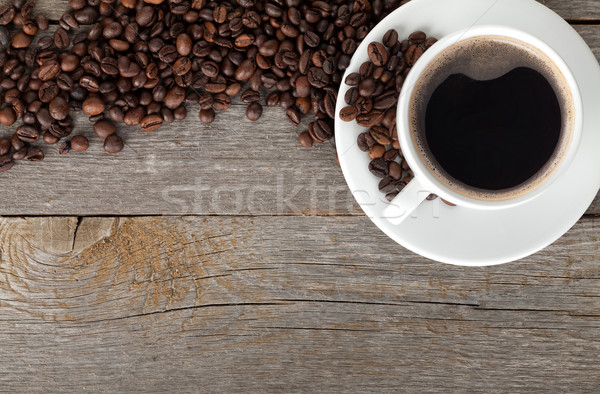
{"x": 491, "y": 117}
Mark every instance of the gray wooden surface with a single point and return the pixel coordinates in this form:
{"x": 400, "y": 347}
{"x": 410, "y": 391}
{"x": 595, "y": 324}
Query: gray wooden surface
{"x": 275, "y": 281}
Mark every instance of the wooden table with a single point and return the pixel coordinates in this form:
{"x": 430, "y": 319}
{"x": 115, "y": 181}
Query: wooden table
{"x": 227, "y": 257}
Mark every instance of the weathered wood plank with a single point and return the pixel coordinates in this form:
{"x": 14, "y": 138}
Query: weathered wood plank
{"x": 572, "y": 9}
{"x": 280, "y": 303}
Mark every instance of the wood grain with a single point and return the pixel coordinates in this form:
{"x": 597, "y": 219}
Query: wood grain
{"x": 223, "y": 304}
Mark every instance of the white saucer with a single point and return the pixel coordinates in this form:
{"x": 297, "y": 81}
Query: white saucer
{"x": 476, "y": 238}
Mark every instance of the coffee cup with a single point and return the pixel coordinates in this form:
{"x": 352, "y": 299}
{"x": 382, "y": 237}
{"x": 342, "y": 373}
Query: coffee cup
{"x": 488, "y": 118}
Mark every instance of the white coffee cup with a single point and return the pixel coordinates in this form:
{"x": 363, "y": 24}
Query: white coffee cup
{"x": 425, "y": 182}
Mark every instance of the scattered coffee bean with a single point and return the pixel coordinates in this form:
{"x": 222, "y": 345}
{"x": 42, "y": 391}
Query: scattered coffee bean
{"x": 79, "y": 143}
{"x": 113, "y": 144}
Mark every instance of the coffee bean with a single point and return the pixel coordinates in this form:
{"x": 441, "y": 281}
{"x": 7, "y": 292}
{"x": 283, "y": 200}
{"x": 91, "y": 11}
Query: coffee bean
{"x": 378, "y": 55}
{"x": 79, "y": 143}
{"x": 390, "y": 38}
{"x": 305, "y": 139}
{"x": 151, "y": 122}
{"x": 4, "y": 146}
{"x": 365, "y": 142}
{"x": 28, "y": 133}
{"x": 48, "y": 90}
{"x": 104, "y": 128}
{"x": 349, "y": 113}
{"x": 351, "y": 96}
{"x": 254, "y": 111}
{"x": 93, "y": 105}
{"x": 59, "y": 108}
{"x": 49, "y": 138}
{"x": 21, "y": 40}
{"x": 134, "y": 116}
{"x": 379, "y": 168}
{"x": 370, "y": 119}
{"x": 390, "y": 155}
{"x": 7, "y": 14}
{"x": 8, "y": 116}
{"x": 207, "y": 116}
{"x": 174, "y": 97}
{"x": 42, "y": 22}
{"x": 113, "y": 144}
{"x": 34, "y": 154}
{"x": 381, "y": 135}
{"x": 413, "y": 53}
{"x": 6, "y": 162}
{"x": 429, "y": 42}
{"x": 317, "y": 77}
{"x": 418, "y": 37}
{"x": 61, "y": 38}
{"x": 294, "y": 116}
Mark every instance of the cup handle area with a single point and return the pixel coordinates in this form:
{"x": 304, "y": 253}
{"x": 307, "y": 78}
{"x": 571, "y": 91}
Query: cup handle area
{"x": 406, "y": 202}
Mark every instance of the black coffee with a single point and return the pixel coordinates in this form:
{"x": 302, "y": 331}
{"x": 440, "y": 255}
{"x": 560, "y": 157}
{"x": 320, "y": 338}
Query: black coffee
{"x": 491, "y": 116}
{"x": 493, "y": 134}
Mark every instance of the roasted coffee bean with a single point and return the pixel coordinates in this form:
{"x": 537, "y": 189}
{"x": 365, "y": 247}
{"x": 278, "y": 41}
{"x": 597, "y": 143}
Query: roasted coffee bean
{"x": 379, "y": 168}
{"x": 381, "y": 135}
{"x": 250, "y": 96}
{"x": 6, "y": 162}
{"x": 49, "y": 138}
{"x": 174, "y": 97}
{"x": 7, "y": 14}
{"x": 413, "y": 53}
{"x": 21, "y": 40}
{"x": 113, "y": 144}
{"x": 378, "y": 54}
{"x": 390, "y": 155}
{"x": 317, "y": 77}
{"x": 79, "y": 143}
{"x": 322, "y": 130}
{"x": 34, "y": 154}
{"x": 28, "y": 133}
{"x": 8, "y": 116}
{"x": 221, "y": 102}
{"x": 367, "y": 87}
{"x": 429, "y": 42}
{"x": 151, "y": 122}
{"x": 4, "y": 146}
{"x": 365, "y": 142}
{"x": 418, "y": 37}
{"x": 42, "y": 22}
{"x": 254, "y": 111}
{"x": 353, "y": 79}
{"x": 273, "y": 99}
{"x": 390, "y": 38}
{"x": 103, "y": 128}
{"x": 207, "y": 116}
{"x": 364, "y": 104}
{"x": 293, "y": 116}
{"x": 59, "y": 108}
{"x": 351, "y": 96}
{"x": 386, "y": 100}
{"x": 134, "y": 116}
{"x": 370, "y": 119}
{"x": 349, "y": 113}
{"x": 93, "y": 105}
{"x": 48, "y": 90}
{"x": 61, "y": 38}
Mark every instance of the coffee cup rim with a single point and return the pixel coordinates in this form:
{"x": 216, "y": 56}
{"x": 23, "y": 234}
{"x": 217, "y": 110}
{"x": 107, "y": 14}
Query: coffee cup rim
{"x": 421, "y": 170}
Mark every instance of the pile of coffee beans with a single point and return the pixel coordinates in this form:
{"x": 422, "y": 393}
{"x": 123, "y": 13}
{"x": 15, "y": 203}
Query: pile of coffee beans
{"x": 372, "y": 100}
{"x": 141, "y": 62}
